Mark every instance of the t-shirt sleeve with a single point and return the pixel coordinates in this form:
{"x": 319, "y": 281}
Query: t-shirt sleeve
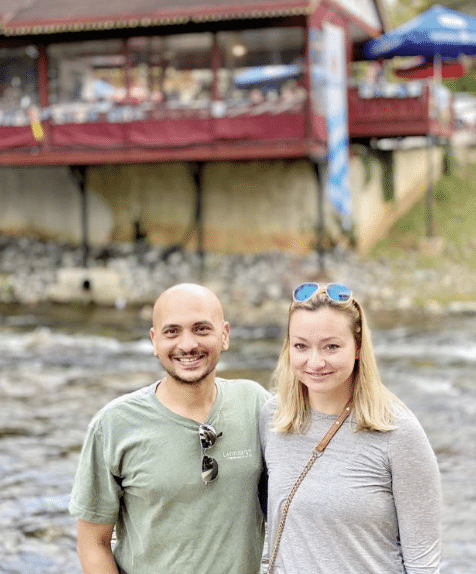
{"x": 264, "y": 396}
{"x": 417, "y": 494}
{"x": 96, "y": 490}
{"x": 264, "y": 425}
{"x": 265, "y": 419}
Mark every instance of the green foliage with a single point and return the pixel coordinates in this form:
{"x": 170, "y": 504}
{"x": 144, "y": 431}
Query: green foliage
{"x": 401, "y": 11}
{"x": 454, "y": 218}
{"x": 365, "y": 154}
{"x": 466, "y": 83}
{"x": 450, "y": 164}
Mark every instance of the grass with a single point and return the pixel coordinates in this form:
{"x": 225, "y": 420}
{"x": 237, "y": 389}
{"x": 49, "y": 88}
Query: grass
{"x": 450, "y": 274}
{"x": 454, "y": 216}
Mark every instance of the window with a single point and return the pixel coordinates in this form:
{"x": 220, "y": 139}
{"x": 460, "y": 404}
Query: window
{"x": 120, "y": 81}
{"x": 18, "y": 84}
{"x": 181, "y": 76}
{"x": 86, "y": 80}
{"x": 262, "y": 71}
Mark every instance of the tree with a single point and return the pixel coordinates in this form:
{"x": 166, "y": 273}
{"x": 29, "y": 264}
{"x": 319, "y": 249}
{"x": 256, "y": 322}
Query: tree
{"x": 403, "y": 10}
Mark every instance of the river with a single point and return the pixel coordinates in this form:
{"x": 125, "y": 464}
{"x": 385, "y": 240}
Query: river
{"x": 59, "y": 365}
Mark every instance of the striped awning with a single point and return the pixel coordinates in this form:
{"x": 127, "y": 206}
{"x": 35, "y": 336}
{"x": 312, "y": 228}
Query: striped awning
{"x": 41, "y": 17}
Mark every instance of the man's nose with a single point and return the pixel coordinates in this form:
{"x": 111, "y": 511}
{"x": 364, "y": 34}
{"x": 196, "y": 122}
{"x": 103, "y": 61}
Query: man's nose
{"x": 187, "y": 341}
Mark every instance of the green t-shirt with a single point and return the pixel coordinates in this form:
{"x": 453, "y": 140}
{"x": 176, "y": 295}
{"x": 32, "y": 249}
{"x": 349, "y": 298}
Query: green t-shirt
{"x": 140, "y": 469}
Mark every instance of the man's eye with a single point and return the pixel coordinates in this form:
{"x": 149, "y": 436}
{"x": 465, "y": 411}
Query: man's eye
{"x": 203, "y": 329}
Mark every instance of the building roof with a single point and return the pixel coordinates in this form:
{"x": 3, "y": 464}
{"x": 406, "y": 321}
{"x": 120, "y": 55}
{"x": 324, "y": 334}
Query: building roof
{"x": 37, "y": 17}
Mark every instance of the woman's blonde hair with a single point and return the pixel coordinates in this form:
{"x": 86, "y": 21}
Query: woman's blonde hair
{"x": 373, "y": 403}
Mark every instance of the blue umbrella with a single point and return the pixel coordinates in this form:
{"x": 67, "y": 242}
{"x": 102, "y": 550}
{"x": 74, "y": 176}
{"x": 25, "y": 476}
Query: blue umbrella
{"x": 270, "y": 76}
{"x": 436, "y": 32}
{"x": 103, "y": 89}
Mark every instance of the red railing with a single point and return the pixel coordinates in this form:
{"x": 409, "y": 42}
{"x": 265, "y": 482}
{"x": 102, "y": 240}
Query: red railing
{"x": 180, "y": 138}
{"x": 397, "y": 116}
{"x": 209, "y": 138}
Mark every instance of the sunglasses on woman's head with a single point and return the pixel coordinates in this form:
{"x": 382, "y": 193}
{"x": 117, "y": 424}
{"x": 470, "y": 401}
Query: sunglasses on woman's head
{"x": 336, "y": 292}
{"x": 208, "y": 437}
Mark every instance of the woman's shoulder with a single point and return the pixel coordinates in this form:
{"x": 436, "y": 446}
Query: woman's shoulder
{"x": 408, "y": 428}
{"x": 404, "y": 418}
{"x": 271, "y": 405}
{"x": 268, "y": 410}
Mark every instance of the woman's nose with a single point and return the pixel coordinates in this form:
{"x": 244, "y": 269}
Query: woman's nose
{"x": 316, "y": 359}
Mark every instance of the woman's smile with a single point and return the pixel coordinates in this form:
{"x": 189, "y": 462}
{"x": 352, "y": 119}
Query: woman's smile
{"x": 322, "y": 354}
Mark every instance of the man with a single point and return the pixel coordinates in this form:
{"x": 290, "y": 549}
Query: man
{"x": 175, "y": 467}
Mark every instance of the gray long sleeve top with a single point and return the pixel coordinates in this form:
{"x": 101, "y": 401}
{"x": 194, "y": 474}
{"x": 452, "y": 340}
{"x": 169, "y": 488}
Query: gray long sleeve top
{"x": 369, "y": 505}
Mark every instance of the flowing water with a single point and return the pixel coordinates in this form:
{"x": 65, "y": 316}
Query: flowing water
{"x": 59, "y": 366}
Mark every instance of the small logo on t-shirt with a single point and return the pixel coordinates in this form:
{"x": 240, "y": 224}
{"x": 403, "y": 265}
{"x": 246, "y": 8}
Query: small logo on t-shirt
{"x": 233, "y": 454}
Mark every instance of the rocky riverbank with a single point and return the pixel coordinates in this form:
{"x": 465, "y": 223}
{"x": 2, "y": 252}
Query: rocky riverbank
{"x": 61, "y": 363}
{"x": 255, "y": 288}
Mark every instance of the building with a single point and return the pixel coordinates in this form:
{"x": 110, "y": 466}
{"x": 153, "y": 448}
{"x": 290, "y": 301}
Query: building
{"x": 207, "y": 124}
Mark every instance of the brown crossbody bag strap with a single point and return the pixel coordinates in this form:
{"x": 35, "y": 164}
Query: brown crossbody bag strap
{"x": 316, "y": 453}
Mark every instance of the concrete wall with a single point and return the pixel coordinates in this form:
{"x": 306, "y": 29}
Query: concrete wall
{"x": 159, "y": 196}
{"x": 247, "y": 206}
{"x": 373, "y": 214}
{"x": 46, "y": 201}
{"x": 256, "y": 206}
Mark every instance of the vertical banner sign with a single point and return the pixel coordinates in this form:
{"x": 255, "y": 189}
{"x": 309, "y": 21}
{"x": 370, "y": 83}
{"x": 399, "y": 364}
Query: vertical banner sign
{"x": 338, "y": 190}
{"x": 318, "y": 71}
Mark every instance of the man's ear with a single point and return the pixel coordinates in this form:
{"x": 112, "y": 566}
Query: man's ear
{"x": 151, "y": 335}
{"x": 225, "y": 336}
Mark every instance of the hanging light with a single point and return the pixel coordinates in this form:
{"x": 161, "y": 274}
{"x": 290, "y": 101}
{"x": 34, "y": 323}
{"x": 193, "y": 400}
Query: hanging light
{"x": 238, "y": 50}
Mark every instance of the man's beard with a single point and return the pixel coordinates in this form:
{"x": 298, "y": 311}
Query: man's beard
{"x": 195, "y": 381}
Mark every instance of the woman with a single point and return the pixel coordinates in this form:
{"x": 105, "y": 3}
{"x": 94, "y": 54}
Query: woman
{"x": 370, "y": 501}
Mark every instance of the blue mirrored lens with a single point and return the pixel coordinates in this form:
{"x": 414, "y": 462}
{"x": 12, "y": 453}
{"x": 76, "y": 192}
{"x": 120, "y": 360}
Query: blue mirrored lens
{"x": 305, "y": 291}
{"x": 339, "y": 293}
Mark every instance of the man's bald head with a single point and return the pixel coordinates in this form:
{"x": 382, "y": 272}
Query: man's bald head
{"x": 187, "y": 294}
{"x": 188, "y": 333}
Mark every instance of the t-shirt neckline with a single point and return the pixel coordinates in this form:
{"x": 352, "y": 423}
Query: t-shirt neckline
{"x": 179, "y": 419}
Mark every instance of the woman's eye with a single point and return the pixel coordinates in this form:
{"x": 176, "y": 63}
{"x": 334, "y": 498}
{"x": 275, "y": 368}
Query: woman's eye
{"x": 299, "y": 346}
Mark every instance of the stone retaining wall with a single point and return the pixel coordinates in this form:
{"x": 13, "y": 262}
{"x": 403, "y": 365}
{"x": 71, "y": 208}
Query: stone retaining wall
{"x": 254, "y": 288}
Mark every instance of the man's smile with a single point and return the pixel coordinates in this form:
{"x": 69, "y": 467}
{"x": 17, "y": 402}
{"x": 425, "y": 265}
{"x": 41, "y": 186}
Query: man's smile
{"x": 189, "y": 360}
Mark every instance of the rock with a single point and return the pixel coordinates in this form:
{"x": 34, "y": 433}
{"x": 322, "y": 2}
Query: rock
{"x": 434, "y": 307}
{"x": 466, "y": 307}
{"x": 95, "y": 284}
{"x": 33, "y": 272}
{"x": 431, "y": 246}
